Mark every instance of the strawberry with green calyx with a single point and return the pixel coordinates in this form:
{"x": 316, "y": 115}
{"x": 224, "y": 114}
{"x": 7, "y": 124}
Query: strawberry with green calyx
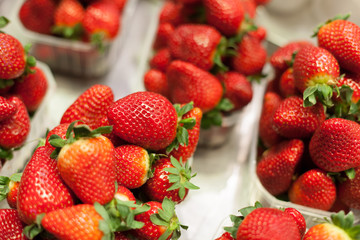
{"x": 9, "y": 188}
{"x": 348, "y": 190}
{"x": 85, "y": 153}
{"x": 214, "y": 117}
{"x": 339, "y": 227}
{"x": 160, "y": 222}
{"x": 171, "y": 179}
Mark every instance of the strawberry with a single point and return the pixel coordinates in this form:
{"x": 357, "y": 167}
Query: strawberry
{"x": 249, "y": 7}
{"x": 277, "y": 166}
{"x": 315, "y": 189}
{"x": 237, "y": 89}
{"x": 120, "y": 4}
{"x": 91, "y": 106}
{"x": 155, "y": 81}
{"x": 225, "y": 236}
{"x": 124, "y": 194}
{"x": 171, "y": 13}
{"x": 11, "y": 226}
{"x": 132, "y": 165}
{"x": 37, "y": 15}
{"x": 9, "y": 187}
{"x": 116, "y": 141}
{"x": 170, "y": 180}
{"x": 159, "y": 221}
{"x": 59, "y": 130}
{"x": 86, "y": 163}
{"x": 67, "y": 19}
{"x": 348, "y": 191}
{"x": 51, "y": 194}
{"x": 267, "y": 134}
{"x": 292, "y": 120}
{"x": 261, "y": 2}
{"x": 342, "y": 38}
{"x": 226, "y": 15}
{"x": 121, "y": 236}
{"x": 335, "y": 145}
{"x": 353, "y": 85}
{"x": 161, "y": 60}
{"x": 340, "y": 228}
{"x": 190, "y": 83}
{"x": 31, "y": 89}
{"x": 7, "y": 109}
{"x": 287, "y": 84}
{"x": 250, "y": 56}
{"x": 299, "y": 219}
{"x": 198, "y": 44}
{"x": 163, "y": 33}
{"x": 259, "y": 33}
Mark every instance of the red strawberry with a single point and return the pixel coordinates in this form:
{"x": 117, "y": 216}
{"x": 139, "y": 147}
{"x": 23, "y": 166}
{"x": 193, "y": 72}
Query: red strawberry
{"x": 121, "y": 236}
{"x": 171, "y": 13}
{"x": 353, "y": 85}
{"x": 132, "y": 165}
{"x": 86, "y": 163}
{"x": 225, "y": 236}
{"x": 59, "y": 130}
{"x": 159, "y": 221}
{"x": 315, "y": 189}
{"x": 262, "y": 2}
{"x": 225, "y": 15}
{"x": 120, "y": 4}
{"x": 104, "y": 122}
{"x": 277, "y": 165}
{"x": 7, "y": 109}
{"x": 196, "y": 44}
{"x": 259, "y": 33}
{"x": 124, "y": 194}
{"x": 155, "y": 81}
{"x": 287, "y": 84}
{"x": 299, "y": 219}
{"x": 342, "y": 39}
{"x": 267, "y": 134}
{"x": 249, "y": 7}
{"x": 335, "y": 146}
{"x": 37, "y": 15}
{"x": 32, "y": 89}
{"x": 349, "y": 192}
{"x": 74, "y": 223}
{"x": 163, "y": 34}
{"x": 11, "y": 226}
{"x": 293, "y": 120}
{"x": 9, "y": 187}
{"x": 170, "y": 180}
{"x": 14, "y": 130}
{"x": 190, "y": 83}
{"x": 237, "y": 89}
{"x": 91, "y": 106}
{"x": 35, "y": 198}
{"x": 250, "y": 57}
{"x": 161, "y": 60}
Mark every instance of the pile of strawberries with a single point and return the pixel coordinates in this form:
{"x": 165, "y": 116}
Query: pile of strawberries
{"x": 109, "y": 169}
{"x": 22, "y": 89}
{"x": 309, "y": 127}
{"x": 83, "y": 20}
{"x": 206, "y": 52}
{"x": 258, "y": 222}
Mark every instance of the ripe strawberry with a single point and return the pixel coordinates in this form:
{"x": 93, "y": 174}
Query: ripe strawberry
{"x": 9, "y": 187}
{"x": 292, "y": 120}
{"x": 335, "y": 145}
{"x": 287, "y": 84}
{"x": 124, "y": 194}
{"x": 170, "y": 180}
{"x": 11, "y": 226}
{"x": 197, "y": 44}
{"x": 163, "y": 34}
{"x": 121, "y": 236}
{"x": 171, "y": 13}
{"x": 190, "y": 83}
{"x": 226, "y": 15}
{"x": 237, "y": 89}
{"x": 155, "y": 81}
{"x": 277, "y": 166}
{"x": 116, "y": 141}
{"x": 91, "y": 106}
{"x": 120, "y": 4}
{"x": 315, "y": 189}
{"x": 250, "y": 56}
{"x": 249, "y": 7}
{"x": 267, "y": 134}
{"x": 7, "y": 109}
{"x": 31, "y": 89}
{"x": 35, "y": 198}
{"x": 59, "y": 130}
{"x": 299, "y": 219}
{"x": 349, "y": 192}
{"x": 353, "y": 85}
{"x": 37, "y": 15}
{"x": 161, "y": 60}
{"x": 225, "y": 236}
{"x": 86, "y": 163}
{"x": 342, "y": 39}
{"x": 159, "y": 221}
{"x": 259, "y": 33}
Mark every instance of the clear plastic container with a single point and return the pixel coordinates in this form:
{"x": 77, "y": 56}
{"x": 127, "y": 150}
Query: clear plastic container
{"x": 74, "y": 58}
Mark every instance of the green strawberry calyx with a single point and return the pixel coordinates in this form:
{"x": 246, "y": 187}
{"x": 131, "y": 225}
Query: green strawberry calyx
{"x": 346, "y": 222}
{"x": 214, "y": 116}
{"x": 180, "y": 176}
{"x": 319, "y": 92}
{"x": 69, "y": 32}
{"x": 346, "y": 107}
{"x": 6, "y": 182}
{"x": 32, "y": 230}
{"x": 166, "y": 217}
{"x": 3, "y": 22}
{"x": 6, "y": 154}
{"x": 221, "y": 49}
{"x": 337, "y": 17}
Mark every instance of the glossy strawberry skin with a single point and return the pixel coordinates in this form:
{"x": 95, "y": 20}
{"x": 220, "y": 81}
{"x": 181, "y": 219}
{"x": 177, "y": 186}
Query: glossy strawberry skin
{"x": 144, "y": 118}
{"x": 342, "y": 39}
{"x": 161, "y": 60}
{"x": 41, "y": 176}
{"x": 313, "y": 189}
{"x": 7, "y": 109}
{"x": 335, "y": 145}
{"x": 68, "y": 13}
{"x": 225, "y": 236}
{"x": 268, "y": 223}
{"x": 87, "y": 167}
{"x": 353, "y": 85}
{"x": 171, "y": 13}
{"x": 349, "y": 191}
{"x": 155, "y": 81}
{"x": 14, "y": 130}
{"x": 11, "y": 226}
{"x": 195, "y": 43}
{"x": 163, "y": 33}
{"x": 277, "y": 166}
{"x": 325, "y": 231}
{"x": 13, "y": 193}
{"x": 299, "y": 219}
{"x": 124, "y": 194}
{"x": 76, "y": 222}
{"x": 287, "y": 84}
{"x": 190, "y": 83}
{"x": 293, "y": 120}
{"x": 260, "y": 33}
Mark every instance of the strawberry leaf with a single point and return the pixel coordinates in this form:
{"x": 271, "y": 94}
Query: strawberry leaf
{"x": 31, "y": 231}
{"x": 309, "y": 96}
{"x": 188, "y": 123}
{"x": 6, "y": 154}
{"x": 3, "y": 21}
{"x": 4, "y": 187}
{"x": 181, "y": 111}
{"x": 350, "y": 173}
{"x": 16, "y": 177}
